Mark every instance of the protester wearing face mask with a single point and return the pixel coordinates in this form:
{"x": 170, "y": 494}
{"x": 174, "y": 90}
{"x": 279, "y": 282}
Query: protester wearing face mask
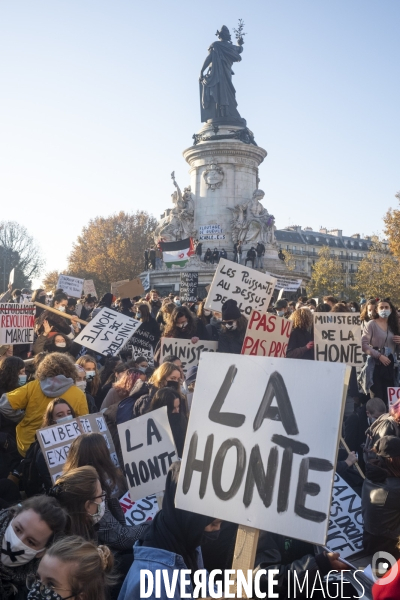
{"x": 85, "y": 307}
{"x": 357, "y": 424}
{"x": 60, "y": 303}
{"x": 354, "y": 307}
{"x": 184, "y": 325}
{"x": 368, "y": 313}
{"x": 122, "y": 388}
{"x": 171, "y": 543}
{"x": 379, "y": 341}
{"x": 281, "y": 308}
{"x": 92, "y": 373}
{"x": 73, "y": 568}
{"x": 172, "y": 400}
{"x": 205, "y": 316}
{"x": 149, "y": 330}
{"x": 141, "y": 364}
{"x": 233, "y": 328}
{"x": 58, "y": 342}
{"x": 26, "y": 531}
{"x": 55, "y": 377}
{"x": 81, "y": 383}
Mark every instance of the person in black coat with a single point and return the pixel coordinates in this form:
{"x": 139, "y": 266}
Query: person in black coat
{"x": 208, "y": 256}
{"x": 223, "y": 253}
{"x": 357, "y": 423}
{"x": 251, "y": 255}
{"x": 215, "y": 256}
{"x": 199, "y": 249}
{"x": 233, "y": 328}
{"x": 301, "y": 341}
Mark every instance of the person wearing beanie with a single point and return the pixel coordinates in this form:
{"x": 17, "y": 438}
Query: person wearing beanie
{"x": 380, "y": 499}
{"x": 233, "y": 328}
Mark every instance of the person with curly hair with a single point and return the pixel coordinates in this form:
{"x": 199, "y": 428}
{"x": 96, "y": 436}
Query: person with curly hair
{"x": 301, "y": 341}
{"x": 55, "y": 377}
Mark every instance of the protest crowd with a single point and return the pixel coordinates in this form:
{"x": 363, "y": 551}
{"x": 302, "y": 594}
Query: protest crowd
{"x": 66, "y": 525}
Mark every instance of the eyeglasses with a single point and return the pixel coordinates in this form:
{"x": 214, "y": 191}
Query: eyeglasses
{"x": 34, "y": 583}
{"x": 102, "y": 496}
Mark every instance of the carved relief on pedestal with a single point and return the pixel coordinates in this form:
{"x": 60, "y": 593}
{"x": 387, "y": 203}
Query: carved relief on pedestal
{"x": 213, "y": 176}
{"x": 251, "y": 222}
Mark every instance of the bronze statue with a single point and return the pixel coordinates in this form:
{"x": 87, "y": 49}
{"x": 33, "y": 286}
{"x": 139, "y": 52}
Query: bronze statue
{"x": 217, "y": 94}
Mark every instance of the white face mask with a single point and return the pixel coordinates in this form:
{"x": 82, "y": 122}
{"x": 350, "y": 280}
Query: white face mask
{"x": 385, "y": 313}
{"x": 101, "y": 509}
{"x": 81, "y": 385}
{"x": 207, "y": 312}
{"x": 61, "y": 308}
{"x": 370, "y": 313}
{"x": 181, "y": 325}
{"x": 14, "y": 552}
{"x": 280, "y": 313}
{"x": 64, "y": 419}
{"x": 90, "y": 374}
{"x": 353, "y": 309}
{"x": 61, "y": 344}
{"x": 231, "y": 326}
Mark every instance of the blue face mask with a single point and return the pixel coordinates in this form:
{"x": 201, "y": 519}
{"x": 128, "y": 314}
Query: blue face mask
{"x": 22, "y": 379}
{"x": 138, "y": 315}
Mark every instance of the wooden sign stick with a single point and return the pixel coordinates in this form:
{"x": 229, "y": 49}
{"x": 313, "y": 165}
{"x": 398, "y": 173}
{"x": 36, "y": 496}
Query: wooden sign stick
{"x": 59, "y": 313}
{"x": 244, "y": 554}
{"x": 357, "y": 466}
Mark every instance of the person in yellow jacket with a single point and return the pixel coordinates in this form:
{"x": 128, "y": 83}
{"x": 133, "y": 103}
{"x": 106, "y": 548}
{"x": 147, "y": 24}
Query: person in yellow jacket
{"x": 26, "y": 405}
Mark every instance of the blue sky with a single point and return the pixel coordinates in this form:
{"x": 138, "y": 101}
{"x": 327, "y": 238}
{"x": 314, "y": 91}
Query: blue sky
{"x": 100, "y": 98}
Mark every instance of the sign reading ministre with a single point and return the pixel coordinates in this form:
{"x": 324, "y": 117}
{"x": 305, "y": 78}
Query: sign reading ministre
{"x": 72, "y": 286}
{"x": 188, "y": 287}
{"x": 56, "y": 440}
{"x": 16, "y": 323}
{"x": 266, "y": 335}
{"x": 108, "y": 332}
{"x": 337, "y": 338}
{"x": 253, "y": 455}
{"x": 186, "y": 351}
{"x": 251, "y": 289}
{"x": 148, "y": 450}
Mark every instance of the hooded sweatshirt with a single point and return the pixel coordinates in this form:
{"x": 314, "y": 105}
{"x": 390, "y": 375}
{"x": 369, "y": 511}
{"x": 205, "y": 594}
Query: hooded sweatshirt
{"x": 27, "y": 404}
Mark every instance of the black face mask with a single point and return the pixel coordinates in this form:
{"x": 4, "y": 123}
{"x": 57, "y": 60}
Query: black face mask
{"x": 175, "y": 385}
{"x": 210, "y": 536}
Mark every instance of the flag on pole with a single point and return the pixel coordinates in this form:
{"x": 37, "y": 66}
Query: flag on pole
{"x": 177, "y": 253}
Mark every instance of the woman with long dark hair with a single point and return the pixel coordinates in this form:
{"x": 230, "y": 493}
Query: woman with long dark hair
{"x": 379, "y": 341}
{"x": 175, "y": 410}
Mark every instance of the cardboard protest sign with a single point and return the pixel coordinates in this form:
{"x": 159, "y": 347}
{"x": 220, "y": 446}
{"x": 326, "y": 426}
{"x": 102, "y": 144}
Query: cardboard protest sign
{"x": 253, "y": 454}
{"x": 11, "y": 277}
{"x": 250, "y": 288}
{"x": 56, "y": 440}
{"x": 115, "y": 286}
{"x": 140, "y": 511}
{"x": 286, "y": 284}
{"x": 266, "y": 335}
{"x": 186, "y": 351}
{"x": 188, "y": 287}
{"x": 108, "y": 332}
{"x": 143, "y": 342}
{"x": 16, "y": 323}
{"x": 337, "y": 338}
{"x": 72, "y": 286}
{"x": 148, "y": 450}
{"x": 130, "y": 289}
{"x": 89, "y": 288}
{"x": 345, "y": 531}
{"x": 393, "y": 394}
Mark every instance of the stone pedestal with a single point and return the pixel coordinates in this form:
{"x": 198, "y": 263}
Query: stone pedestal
{"x": 223, "y": 173}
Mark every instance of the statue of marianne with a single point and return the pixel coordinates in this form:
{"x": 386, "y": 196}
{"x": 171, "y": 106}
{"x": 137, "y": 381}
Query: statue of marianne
{"x": 217, "y": 94}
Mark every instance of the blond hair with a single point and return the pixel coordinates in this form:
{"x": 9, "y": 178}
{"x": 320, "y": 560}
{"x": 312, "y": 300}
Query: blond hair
{"x": 302, "y": 318}
{"x": 82, "y": 361}
{"x": 93, "y": 565}
{"x": 159, "y": 377}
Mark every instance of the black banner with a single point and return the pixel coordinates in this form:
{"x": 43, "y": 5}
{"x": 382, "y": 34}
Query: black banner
{"x": 188, "y": 288}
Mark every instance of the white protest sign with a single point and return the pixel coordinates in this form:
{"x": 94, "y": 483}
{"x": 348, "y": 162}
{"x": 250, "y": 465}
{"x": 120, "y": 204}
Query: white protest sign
{"x": 12, "y": 277}
{"x": 337, "y": 338}
{"x": 108, "y": 332}
{"x": 140, "y": 511}
{"x": 286, "y": 283}
{"x": 250, "y": 288}
{"x": 254, "y": 455}
{"x": 55, "y": 441}
{"x": 16, "y": 323}
{"x": 148, "y": 450}
{"x": 72, "y": 286}
{"x": 89, "y": 288}
{"x": 266, "y": 335}
{"x": 345, "y": 531}
{"x": 186, "y": 351}
{"x": 393, "y": 393}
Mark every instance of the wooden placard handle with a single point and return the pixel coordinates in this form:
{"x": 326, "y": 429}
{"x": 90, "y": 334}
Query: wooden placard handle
{"x": 59, "y": 313}
{"x": 245, "y": 551}
{"x": 357, "y": 466}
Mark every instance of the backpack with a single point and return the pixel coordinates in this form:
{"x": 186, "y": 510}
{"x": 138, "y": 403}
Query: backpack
{"x": 125, "y": 410}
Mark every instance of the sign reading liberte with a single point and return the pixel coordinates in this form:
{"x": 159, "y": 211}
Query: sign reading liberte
{"x": 16, "y": 323}
{"x": 55, "y": 441}
{"x": 257, "y": 458}
{"x": 108, "y": 332}
{"x": 337, "y": 338}
{"x": 250, "y": 288}
{"x": 266, "y": 335}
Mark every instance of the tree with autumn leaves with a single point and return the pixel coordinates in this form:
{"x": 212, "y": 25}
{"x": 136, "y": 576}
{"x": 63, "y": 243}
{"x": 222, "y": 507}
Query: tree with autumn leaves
{"x": 327, "y": 277}
{"x": 111, "y": 248}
